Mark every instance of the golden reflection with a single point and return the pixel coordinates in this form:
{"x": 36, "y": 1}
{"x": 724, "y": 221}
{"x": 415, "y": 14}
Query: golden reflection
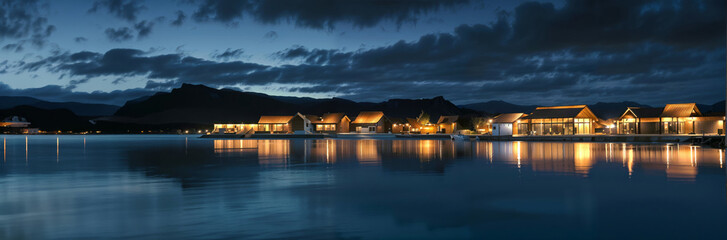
{"x": 675, "y": 160}
{"x": 273, "y": 151}
{"x": 58, "y": 149}
{"x": 518, "y": 155}
{"x": 26, "y": 150}
{"x": 367, "y": 152}
{"x": 582, "y": 159}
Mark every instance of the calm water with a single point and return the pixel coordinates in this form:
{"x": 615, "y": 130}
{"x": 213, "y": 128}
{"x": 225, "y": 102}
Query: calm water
{"x": 148, "y": 186}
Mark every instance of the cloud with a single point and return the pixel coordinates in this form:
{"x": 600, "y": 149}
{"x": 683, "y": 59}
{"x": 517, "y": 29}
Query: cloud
{"x": 21, "y": 22}
{"x": 229, "y": 54}
{"x": 123, "y": 9}
{"x": 272, "y": 35}
{"x": 510, "y": 59}
{"x": 80, "y": 39}
{"x": 119, "y": 34}
{"x": 179, "y": 20}
{"x": 143, "y": 28}
{"x": 320, "y": 14}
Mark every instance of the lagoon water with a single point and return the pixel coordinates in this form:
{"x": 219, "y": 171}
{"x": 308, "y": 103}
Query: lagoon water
{"x": 175, "y": 186}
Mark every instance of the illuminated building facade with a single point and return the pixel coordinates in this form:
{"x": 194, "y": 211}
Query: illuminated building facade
{"x": 559, "y": 120}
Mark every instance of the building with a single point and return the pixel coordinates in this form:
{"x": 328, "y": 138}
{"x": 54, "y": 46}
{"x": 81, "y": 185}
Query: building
{"x": 297, "y": 123}
{"x": 399, "y": 125}
{"x": 681, "y": 118}
{"x": 559, "y": 120}
{"x": 227, "y": 128}
{"x": 330, "y": 123}
{"x": 15, "y": 122}
{"x": 371, "y": 122}
{"x": 639, "y": 121}
{"x": 447, "y": 124}
{"x": 506, "y": 124}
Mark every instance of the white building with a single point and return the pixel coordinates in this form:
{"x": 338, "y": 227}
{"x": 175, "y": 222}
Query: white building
{"x": 506, "y": 124}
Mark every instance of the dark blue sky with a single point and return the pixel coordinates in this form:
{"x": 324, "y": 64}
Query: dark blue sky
{"x": 542, "y": 53}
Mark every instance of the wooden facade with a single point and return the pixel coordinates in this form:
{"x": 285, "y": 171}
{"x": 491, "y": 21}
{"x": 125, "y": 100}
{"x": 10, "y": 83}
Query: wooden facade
{"x": 447, "y": 124}
{"x": 681, "y": 118}
{"x": 331, "y": 123}
{"x": 371, "y": 122}
{"x": 506, "y": 124}
{"x": 559, "y": 120}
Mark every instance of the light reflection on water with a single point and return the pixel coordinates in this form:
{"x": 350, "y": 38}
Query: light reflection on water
{"x": 147, "y": 186}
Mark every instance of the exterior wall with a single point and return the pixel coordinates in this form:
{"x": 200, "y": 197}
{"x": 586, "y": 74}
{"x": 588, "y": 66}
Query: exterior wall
{"x": 709, "y": 125}
{"x": 502, "y": 129}
{"x": 343, "y": 126}
{"x": 447, "y": 127}
{"x": 365, "y": 128}
{"x": 398, "y": 128}
{"x": 649, "y": 128}
{"x": 297, "y": 124}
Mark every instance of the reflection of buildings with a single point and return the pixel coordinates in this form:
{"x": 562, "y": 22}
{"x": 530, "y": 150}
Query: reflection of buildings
{"x": 676, "y": 161}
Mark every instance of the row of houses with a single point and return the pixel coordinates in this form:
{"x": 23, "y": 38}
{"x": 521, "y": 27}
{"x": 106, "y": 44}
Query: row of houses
{"x": 364, "y": 122}
{"x": 683, "y": 118}
{"x": 555, "y": 120}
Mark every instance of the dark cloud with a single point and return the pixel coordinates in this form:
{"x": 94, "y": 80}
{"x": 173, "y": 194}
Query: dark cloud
{"x": 119, "y": 34}
{"x": 22, "y": 23}
{"x": 179, "y": 20}
{"x": 80, "y": 39}
{"x": 511, "y": 59}
{"x": 229, "y": 54}
{"x": 66, "y": 94}
{"x": 143, "y": 28}
{"x": 321, "y": 14}
{"x": 123, "y": 9}
{"x": 272, "y": 35}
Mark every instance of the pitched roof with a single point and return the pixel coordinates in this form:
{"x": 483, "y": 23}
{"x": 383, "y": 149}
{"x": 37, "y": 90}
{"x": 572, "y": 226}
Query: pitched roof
{"x": 447, "y": 119}
{"x": 329, "y": 118}
{"x": 560, "y": 112}
{"x": 397, "y": 120}
{"x": 681, "y": 110}
{"x": 368, "y": 117}
{"x": 508, "y": 117}
{"x": 646, "y": 112}
{"x": 274, "y": 119}
{"x": 413, "y": 123}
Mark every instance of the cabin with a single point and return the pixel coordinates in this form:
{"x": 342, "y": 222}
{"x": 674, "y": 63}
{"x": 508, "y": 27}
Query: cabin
{"x": 447, "y": 124}
{"x": 559, "y": 120}
{"x": 371, "y": 122}
{"x": 506, "y": 124}
{"x": 637, "y": 120}
{"x": 297, "y": 123}
{"x": 680, "y": 118}
{"x": 399, "y": 125}
{"x": 330, "y": 123}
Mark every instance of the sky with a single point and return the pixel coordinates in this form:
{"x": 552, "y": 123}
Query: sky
{"x": 524, "y": 52}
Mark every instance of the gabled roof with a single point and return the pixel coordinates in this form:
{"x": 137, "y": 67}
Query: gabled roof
{"x": 581, "y": 111}
{"x": 447, "y": 119}
{"x": 681, "y": 110}
{"x": 274, "y": 119}
{"x": 413, "y": 123}
{"x": 368, "y": 117}
{"x": 643, "y": 112}
{"x": 397, "y": 120}
{"x": 508, "y": 117}
{"x": 329, "y": 118}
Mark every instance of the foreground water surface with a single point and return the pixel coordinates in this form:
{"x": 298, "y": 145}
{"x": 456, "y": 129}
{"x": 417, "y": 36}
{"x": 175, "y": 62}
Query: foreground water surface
{"x": 170, "y": 186}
